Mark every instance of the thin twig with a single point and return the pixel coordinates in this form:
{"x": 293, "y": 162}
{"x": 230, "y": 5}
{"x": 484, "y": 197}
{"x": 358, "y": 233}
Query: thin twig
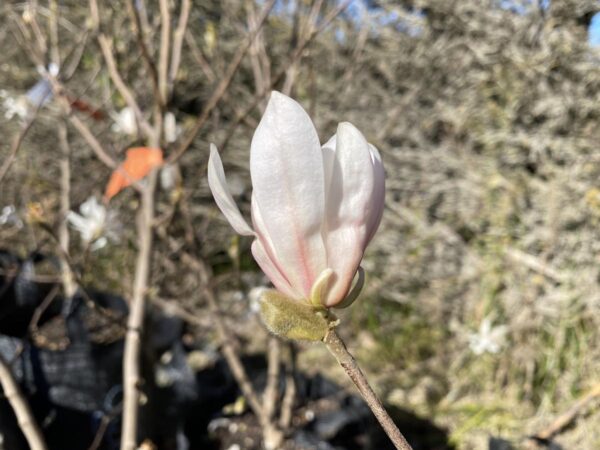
{"x": 87, "y": 134}
{"x": 178, "y": 36}
{"x": 271, "y": 434}
{"x": 199, "y": 57}
{"x": 337, "y": 348}
{"x": 113, "y": 71}
{"x": 25, "y": 418}
{"x": 32, "y": 20}
{"x": 225, "y": 339}
{"x": 296, "y": 55}
{"x": 16, "y": 145}
{"x": 271, "y": 393}
{"x": 289, "y": 396}
{"x": 165, "y": 46}
{"x": 566, "y": 418}
{"x": 222, "y": 86}
{"x": 103, "y": 427}
{"x": 136, "y": 23}
{"x": 65, "y": 205}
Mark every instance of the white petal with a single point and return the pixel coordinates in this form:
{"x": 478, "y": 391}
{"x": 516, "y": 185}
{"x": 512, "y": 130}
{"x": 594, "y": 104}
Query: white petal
{"x": 286, "y": 166}
{"x": 77, "y": 221}
{"x": 273, "y": 266}
{"x": 328, "y": 150}
{"x": 170, "y": 127}
{"x": 271, "y": 270}
{"x": 348, "y": 206}
{"x": 99, "y": 243}
{"x": 220, "y": 191}
{"x": 378, "y": 197}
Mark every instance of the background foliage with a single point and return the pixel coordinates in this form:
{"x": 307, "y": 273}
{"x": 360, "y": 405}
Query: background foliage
{"x": 486, "y": 114}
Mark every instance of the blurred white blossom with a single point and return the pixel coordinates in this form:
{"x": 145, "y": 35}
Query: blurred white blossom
{"x": 168, "y": 177}
{"x": 488, "y": 339}
{"x": 94, "y": 223}
{"x": 172, "y": 130}
{"x": 10, "y": 217}
{"x": 125, "y": 121}
{"x": 38, "y": 95}
{"x": 14, "y": 106}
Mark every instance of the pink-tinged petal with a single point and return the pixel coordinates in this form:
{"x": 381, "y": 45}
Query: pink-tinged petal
{"x": 271, "y": 270}
{"x": 223, "y": 198}
{"x": 287, "y": 176}
{"x": 355, "y": 291}
{"x": 349, "y": 197}
{"x": 378, "y": 198}
{"x": 328, "y": 150}
{"x": 262, "y": 235}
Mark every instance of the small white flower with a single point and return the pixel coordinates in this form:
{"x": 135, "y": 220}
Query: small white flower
{"x": 10, "y": 217}
{"x": 92, "y": 223}
{"x": 125, "y": 121}
{"x": 488, "y": 339}
{"x": 14, "y": 106}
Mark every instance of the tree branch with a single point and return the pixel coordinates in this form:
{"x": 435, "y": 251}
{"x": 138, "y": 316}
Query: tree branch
{"x": 337, "y": 348}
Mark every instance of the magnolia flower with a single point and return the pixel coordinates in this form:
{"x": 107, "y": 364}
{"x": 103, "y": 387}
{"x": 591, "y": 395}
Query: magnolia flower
{"x": 93, "y": 223}
{"x": 314, "y": 208}
{"x": 488, "y": 339}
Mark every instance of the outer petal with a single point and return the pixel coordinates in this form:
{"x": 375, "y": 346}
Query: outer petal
{"x": 266, "y": 244}
{"x": 349, "y": 198}
{"x": 378, "y": 198}
{"x": 328, "y": 150}
{"x": 271, "y": 270}
{"x": 220, "y": 191}
{"x": 287, "y": 175}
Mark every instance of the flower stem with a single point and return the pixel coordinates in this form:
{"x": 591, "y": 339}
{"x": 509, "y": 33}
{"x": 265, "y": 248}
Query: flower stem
{"x": 338, "y": 349}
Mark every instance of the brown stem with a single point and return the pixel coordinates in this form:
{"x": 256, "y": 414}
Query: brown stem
{"x": 272, "y": 435}
{"x": 131, "y": 356}
{"x": 163, "y": 53}
{"x": 25, "y": 418}
{"x": 65, "y": 205}
{"x": 178, "y": 36}
{"x": 271, "y": 394}
{"x": 138, "y": 29}
{"x": 16, "y": 144}
{"x": 337, "y": 348}
{"x": 287, "y": 404}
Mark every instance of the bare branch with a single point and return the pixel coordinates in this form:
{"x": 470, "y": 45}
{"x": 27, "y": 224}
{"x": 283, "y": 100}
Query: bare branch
{"x": 223, "y": 85}
{"x": 131, "y": 356}
{"x": 165, "y": 45}
{"x": 25, "y": 417}
{"x": 178, "y": 36}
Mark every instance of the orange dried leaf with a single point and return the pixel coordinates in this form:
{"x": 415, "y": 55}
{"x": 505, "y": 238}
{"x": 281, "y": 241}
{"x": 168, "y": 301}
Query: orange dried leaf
{"x": 138, "y": 163}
